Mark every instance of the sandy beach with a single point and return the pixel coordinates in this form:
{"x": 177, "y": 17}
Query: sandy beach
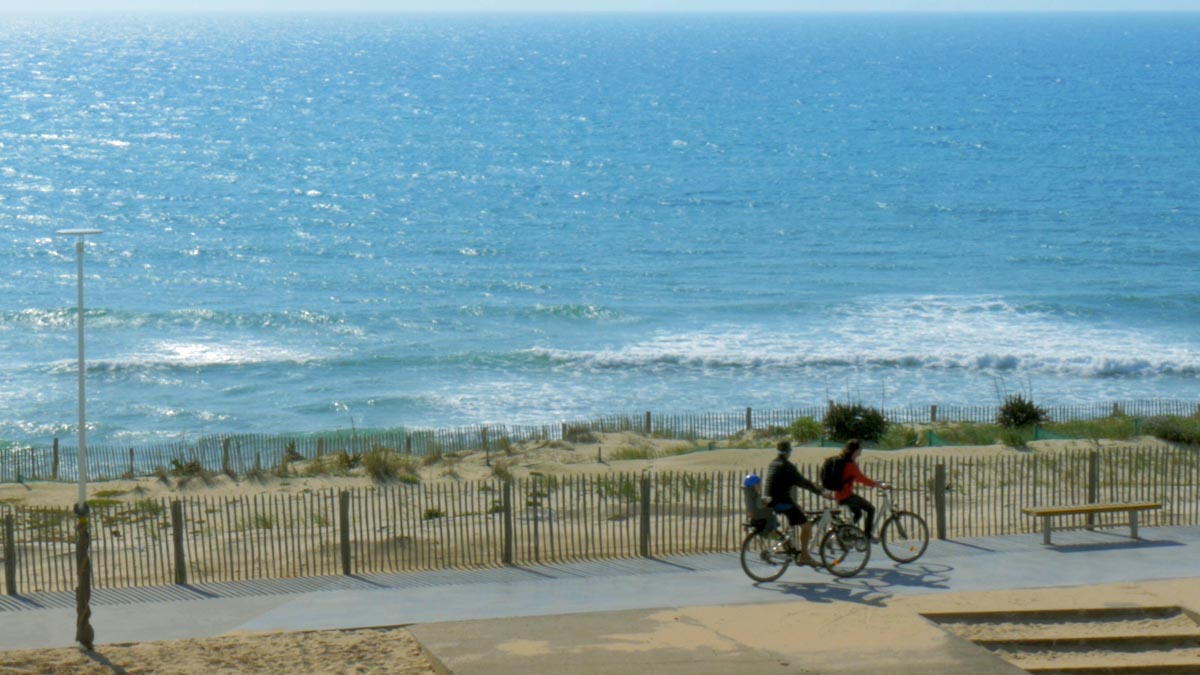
{"x": 548, "y": 458}
{"x": 394, "y": 650}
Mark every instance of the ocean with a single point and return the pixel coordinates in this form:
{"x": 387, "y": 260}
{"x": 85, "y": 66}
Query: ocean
{"x": 318, "y": 222}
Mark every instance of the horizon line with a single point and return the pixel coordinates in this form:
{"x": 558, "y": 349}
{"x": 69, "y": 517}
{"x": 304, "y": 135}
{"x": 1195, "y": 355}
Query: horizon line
{"x": 584, "y": 12}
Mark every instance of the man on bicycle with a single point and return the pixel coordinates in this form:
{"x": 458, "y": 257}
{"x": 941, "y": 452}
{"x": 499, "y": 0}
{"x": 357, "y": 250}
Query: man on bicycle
{"x": 782, "y": 476}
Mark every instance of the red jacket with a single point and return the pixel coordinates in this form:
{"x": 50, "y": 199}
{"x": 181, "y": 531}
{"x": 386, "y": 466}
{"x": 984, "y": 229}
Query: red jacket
{"x": 851, "y": 474}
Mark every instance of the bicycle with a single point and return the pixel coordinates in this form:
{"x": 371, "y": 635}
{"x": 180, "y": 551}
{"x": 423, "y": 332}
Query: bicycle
{"x": 767, "y": 552}
{"x": 903, "y": 534}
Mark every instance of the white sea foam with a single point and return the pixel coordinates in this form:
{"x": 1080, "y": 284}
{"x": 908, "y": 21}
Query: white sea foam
{"x": 978, "y": 334}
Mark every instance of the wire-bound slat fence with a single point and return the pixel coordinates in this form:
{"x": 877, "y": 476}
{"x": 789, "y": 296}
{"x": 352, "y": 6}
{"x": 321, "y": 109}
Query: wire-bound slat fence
{"x": 241, "y": 453}
{"x": 544, "y": 519}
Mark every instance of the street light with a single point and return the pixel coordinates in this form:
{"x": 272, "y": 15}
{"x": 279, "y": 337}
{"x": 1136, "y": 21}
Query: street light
{"x": 84, "y": 634}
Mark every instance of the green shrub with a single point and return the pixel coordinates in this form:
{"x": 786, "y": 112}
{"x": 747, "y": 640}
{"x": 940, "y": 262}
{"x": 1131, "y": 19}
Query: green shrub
{"x": 844, "y": 421}
{"x": 899, "y": 436}
{"x": 804, "y": 429}
{"x": 1018, "y": 411}
{"x": 433, "y": 513}
{"x": 1174, "y": 428}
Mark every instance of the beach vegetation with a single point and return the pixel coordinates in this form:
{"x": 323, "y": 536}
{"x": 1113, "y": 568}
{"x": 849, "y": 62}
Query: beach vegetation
{"x": 1174, "y": 428}
{"x": 1018, "y": 410}
{"x": 502, "y": 470}
{"x": 189, "y": 467}
{"x": 579, "y": 434}
{"x": 290, "y": 453}
{"x": 283, "y": 469}
{"x": 621, "y": 488}
{"x": 104, "y": 503}
{"x": 1016, "y": 437}
{"x": 149, "y": 507}
{"x": 844, "y": 421}
{"x": 433, "y": 455}
{"x": 48, "y": 519}
{"x": 899, "y": 436}
{"x": 1117, "y": 427}
{"x": 257, "y": 474}
{"x": 503, "y": 444}
{"x": 110, "y": 493}
{"x": 346, "y": 460}
{"x": 965, "y": 433}
{"x": 804, "y": 429}
{"x": 433, "y": 513}
{"x": 384, "y": 465}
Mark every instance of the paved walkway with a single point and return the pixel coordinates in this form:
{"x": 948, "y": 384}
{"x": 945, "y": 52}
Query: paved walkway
{"x": 570, "y": 608}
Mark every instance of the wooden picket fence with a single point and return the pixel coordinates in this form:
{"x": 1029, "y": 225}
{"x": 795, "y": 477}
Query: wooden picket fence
{"x": 242, "y": 453}
{"x": 546, "y": 519}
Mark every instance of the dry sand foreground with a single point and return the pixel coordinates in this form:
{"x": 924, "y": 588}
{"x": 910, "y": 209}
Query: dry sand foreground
{"x": 334, "y": 652}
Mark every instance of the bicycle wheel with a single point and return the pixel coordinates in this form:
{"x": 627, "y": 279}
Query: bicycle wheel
{"x": 845, "y": 550}
{"x": 763, "y": 558}
{"x": 905, "y": 536}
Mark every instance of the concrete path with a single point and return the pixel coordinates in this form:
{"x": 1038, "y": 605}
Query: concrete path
{"x": 569, "y": 607}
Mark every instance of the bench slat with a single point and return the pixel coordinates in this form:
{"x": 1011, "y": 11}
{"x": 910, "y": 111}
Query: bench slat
{"x": 1073, "y": 509}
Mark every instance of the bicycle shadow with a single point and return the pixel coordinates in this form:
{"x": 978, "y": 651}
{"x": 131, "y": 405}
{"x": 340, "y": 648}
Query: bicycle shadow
{"x": 873, "y": 586}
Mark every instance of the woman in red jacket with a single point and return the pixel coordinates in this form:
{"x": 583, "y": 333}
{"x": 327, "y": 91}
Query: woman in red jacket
{"x": 851, "y": 474}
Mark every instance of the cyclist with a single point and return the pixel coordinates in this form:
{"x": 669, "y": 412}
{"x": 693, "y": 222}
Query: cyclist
{"x": 782, "y": 476}
{"x": 851, "y": 474}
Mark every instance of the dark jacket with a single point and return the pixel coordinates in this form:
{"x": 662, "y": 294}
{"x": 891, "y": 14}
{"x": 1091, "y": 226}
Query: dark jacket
{"x": 782, "y": 476}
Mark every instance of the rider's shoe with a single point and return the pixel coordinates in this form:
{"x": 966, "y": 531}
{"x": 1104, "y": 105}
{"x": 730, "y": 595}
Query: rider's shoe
{"x": 806, "y": 560}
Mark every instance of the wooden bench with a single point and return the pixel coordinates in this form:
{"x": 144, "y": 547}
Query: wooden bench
{"x": 1048, "y": 513}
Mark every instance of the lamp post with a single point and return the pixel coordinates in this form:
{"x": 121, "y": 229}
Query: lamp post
{"x": 84, "y": 634}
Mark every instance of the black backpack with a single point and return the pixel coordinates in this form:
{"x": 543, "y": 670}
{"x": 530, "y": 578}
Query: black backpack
{"x": 832, "y": 470}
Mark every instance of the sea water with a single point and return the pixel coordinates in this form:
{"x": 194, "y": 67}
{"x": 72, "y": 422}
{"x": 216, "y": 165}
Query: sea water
{"x": 320, "y": 221}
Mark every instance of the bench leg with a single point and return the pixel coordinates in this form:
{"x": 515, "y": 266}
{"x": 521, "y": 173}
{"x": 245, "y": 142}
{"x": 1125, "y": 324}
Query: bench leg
{"x": 1046, "y": 530}
{"x": 1133, "y": 523}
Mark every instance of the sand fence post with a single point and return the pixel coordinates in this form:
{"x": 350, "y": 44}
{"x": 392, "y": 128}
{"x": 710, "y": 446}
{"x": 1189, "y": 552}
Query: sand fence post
{"x": 644, "y": 544}
{"x": 749, "y": 423}
{"x": 649, "y": 428}
{"x": 487, "y": 450}
{"x": 54, "y": 466}
{"x": 507, "y": 554}
{"x": 225, "y": 457}
{"x": 10, "y": 556}
{"x": 344, "y": 527}
{"x": 939, "y": 499}
{"x": 1093, "y": 488}
{"x": 933, "y": 413}
{"x": 177, "y": 542}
